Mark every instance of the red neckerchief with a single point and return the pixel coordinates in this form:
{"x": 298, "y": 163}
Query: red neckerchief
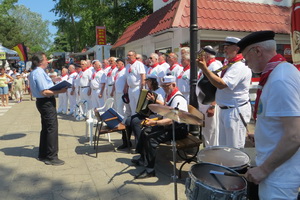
{"x": 172, "y": 94}
{"x": 184, "y": 70}
{"x": 64, "y": 75}
{"x": 264, "y": 77}
{"x": 72, "y": 72}
{"x": 210, "y": 61}
{"x": 106, "y": 66}
{"x": 161, "y": 62}
{"x": 111, "y": 70}
{"x": 173, "y": 66}
{"x": 152, "y": 67}
{"x": 82, "y": 72}
{"x": 116, "y": 76}
{"x": 237, "y": 58}
{"x": 131, "y": 63}
{"x": 94, "y": 74}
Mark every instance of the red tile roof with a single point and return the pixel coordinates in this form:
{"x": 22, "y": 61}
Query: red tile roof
{"x": 222, "y": 15}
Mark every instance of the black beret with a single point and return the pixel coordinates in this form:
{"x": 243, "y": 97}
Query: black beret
{"x": 255, "y": 37}
{"x": 210, "y": 50}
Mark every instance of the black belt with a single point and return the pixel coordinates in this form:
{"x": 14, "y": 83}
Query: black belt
{"x": 51, "y": 97}
{"x": 227, "y": 107}
{"x": 84, "y": 86}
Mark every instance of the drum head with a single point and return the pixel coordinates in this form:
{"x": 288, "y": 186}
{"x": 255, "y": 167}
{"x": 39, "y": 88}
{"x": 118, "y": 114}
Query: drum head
{"x": 201, "y": 173}
{"x": 225, "y": 156}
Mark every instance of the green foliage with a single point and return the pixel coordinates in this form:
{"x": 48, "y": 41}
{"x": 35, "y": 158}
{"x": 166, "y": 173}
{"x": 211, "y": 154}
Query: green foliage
{"x": 18, "y": 24}
{"x": 79, "y": 18}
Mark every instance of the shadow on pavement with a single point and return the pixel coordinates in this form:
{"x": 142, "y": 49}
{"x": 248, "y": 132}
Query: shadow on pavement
{"x": 12, "y": 136}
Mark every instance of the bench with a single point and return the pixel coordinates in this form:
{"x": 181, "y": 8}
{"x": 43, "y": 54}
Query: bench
{"x": 185, "y": 144}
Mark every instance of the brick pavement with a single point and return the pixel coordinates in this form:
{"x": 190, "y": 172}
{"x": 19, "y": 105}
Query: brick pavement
{"x": 110, "y": 176}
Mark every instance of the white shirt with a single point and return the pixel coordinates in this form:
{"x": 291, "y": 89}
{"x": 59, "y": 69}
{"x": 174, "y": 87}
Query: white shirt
{"x": 72, "y": 77}
{"x": 120, "y": 80}
{"x": 160, "y": 94}
{"x": 85, "y": 78}
{"x": 110, "y": 76}
{"x": 76, "y": 81}
{"x": 97, "y": 79}
{"x": 280, "y": 98}
{"x": 133, "y": 73}
{"x": 175, "y": 70}
{"x": 163, "y": 68}
{"x": 183, "y": 81}
{"x": 237, "y": 78}
{"x": 179, "y": 101}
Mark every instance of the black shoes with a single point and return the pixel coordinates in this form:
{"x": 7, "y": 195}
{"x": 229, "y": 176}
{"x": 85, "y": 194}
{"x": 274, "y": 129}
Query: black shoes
{"x": 54, "y": 162}
{"x": 124, "y": 146}
{"x": 145, "y": 174}
{"x": 137, "y": 162}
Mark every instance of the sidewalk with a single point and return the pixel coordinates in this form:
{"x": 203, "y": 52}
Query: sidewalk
{"x": 110, "y": 176}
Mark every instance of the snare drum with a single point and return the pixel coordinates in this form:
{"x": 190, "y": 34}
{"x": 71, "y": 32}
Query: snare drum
{"x": 232, "y": 158}
{"x": 201, "y": 185}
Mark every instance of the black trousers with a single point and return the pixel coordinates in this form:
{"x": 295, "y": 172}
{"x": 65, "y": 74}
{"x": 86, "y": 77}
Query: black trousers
{"x": 49, "y": 133}
{"x": 151, "y": 137}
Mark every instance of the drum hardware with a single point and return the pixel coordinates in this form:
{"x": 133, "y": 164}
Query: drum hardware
{"x": 225, "y": 173}
{"x": 179, "y": 116}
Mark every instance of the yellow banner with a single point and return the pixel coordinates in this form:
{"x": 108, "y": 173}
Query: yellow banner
{"x": 2, "y": 55}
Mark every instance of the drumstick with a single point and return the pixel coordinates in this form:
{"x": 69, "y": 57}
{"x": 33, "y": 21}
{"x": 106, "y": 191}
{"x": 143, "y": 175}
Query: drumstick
{"x": 226, "y": 173}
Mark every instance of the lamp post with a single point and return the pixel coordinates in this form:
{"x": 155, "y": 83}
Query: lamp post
{"x": 193, "y": 53}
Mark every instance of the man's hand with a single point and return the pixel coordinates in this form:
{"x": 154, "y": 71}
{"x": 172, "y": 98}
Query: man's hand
{"x": 256, "y": 175}
{"x": 201, "y": 63}
{"x": 100, "y": 95}
{"x": 89, "y": 92}
{"x": 210, "y": 111}
{"x": 150, "y": 122}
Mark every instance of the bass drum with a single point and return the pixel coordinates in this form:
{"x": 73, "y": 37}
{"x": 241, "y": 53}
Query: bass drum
{"x": 232, "y": 158}
{"x": 201, "y": 185}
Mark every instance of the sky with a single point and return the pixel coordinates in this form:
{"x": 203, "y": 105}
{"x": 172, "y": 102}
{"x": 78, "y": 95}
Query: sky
{"x": 42, "y": 7}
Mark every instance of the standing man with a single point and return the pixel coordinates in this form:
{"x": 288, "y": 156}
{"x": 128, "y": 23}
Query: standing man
{"x": 97, "y": 85}
{"x": 277, "y": 136}
{"x": 118, "y": 87}
{"x": 183, "y": 80}
{"x": 154, "y": 66}
{"x": 85, "y": 90}
{"x": 72, "y": 96}
{"x": 135, "y": 76}
{"x": 175, "y": 68}
{"x": 163, "y": 66}
{"x": 210, "y": 131}
{"x": 40, "y": 83}
{"x": 232, "y": 95}
{"x": 63, "y": 97}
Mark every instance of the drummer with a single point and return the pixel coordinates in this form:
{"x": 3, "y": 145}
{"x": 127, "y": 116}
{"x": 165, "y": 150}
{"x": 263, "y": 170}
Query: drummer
{"x": 277, "y": 136}
{"x": 161, "y": 130}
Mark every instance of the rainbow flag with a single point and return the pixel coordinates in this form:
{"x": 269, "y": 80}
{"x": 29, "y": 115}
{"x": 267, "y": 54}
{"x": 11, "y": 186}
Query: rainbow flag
{"x": 22, "y": 51}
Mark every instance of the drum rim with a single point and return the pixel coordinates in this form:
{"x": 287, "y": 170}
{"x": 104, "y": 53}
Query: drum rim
{"x": 192, "y": 176}
{"x": 219, "y": 147}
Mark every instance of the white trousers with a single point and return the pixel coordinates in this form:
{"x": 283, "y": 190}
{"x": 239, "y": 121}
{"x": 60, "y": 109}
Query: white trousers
{"x": 133, "y": 94}
{"x": 232, "y": 132}
{"x": 211, "y": 130}
{"x": 72, "y": 100}
{"x": 95, "y": 100}
{"x": 84, "y": 96}
{"x": 119, "y": 104}
{"x": 62, "y": 102}
{"x": 269, "y": 192}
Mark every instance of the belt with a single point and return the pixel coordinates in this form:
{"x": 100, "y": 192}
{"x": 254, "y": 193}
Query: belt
{"x": 84, "y": 86}
{"x": 51, "y": 97}
{"x": 227, "y": 107}
{"x": 110, "y": 84}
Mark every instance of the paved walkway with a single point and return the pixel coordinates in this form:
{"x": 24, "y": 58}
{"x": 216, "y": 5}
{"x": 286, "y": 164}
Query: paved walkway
{"x": 110, "y": 176}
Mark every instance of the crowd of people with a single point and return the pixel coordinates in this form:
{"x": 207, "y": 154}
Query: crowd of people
{"x": 227, "y": 110}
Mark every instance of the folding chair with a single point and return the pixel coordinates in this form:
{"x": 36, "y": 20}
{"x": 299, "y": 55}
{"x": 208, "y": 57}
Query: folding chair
{"x": 108, "y": 104}
{"x": 100, "y": 129}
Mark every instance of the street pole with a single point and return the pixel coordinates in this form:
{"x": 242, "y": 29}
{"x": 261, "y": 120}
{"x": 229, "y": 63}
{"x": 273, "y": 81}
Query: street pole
{"x": 193, "y": 53}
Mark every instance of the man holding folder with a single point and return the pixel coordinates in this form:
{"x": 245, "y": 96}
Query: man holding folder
{"x": 40, "y": 84}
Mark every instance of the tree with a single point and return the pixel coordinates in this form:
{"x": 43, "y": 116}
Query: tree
{"x": 78, "y": 18}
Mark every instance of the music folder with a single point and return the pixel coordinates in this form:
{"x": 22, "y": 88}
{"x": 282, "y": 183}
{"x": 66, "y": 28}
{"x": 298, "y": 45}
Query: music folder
{"x": 61, "y": 85}
{"x": 112, "y": 118}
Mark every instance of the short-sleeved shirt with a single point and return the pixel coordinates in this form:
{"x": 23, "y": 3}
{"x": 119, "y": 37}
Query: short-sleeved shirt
{"x": 237, "y": 78}
{"x": 133, "y": 73}
{"x": 39, "y": 81}
{"x": 85, "y": 78}
{"x": 120, "y": 80}
{"x": 98, "y": 78}
{"x": 280, "y": 98}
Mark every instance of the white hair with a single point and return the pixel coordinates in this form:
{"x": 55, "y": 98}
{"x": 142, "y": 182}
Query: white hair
{"x": 268, "y": 45}
{"x": 154, "y": 55}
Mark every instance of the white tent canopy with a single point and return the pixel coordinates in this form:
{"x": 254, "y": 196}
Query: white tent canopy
{"x": 6, "y": 50}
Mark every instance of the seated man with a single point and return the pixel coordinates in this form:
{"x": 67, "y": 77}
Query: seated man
{"x": 133, "y": 123}
{"x": 161, "y": 130}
